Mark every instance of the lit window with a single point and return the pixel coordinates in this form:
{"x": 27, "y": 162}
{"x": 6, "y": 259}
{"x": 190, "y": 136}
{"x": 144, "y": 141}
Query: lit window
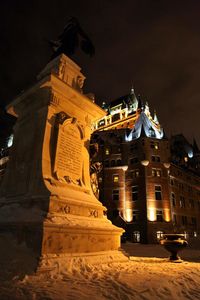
{"x": 134, "y": 192}
{"x": 173, "y": 197}
{"x": 100, "y": 179}
{"x": 107, "y": 152}
{"x": 115, "y": 195}
{"x": 186, "y": 159}
{"x": 135, "y": 173}
{"x": 195, "y": 234}
{"x": 158, "y": 192}
{"x": 154, "y": 145}
{"x": 115, "y": 178}
{"x": 159, "y": 235}
{"x": 156, "y": 173}
{"x": 136, "y": 237}
{"x": 101, "y": 122}
{"x": 159, "y": 215}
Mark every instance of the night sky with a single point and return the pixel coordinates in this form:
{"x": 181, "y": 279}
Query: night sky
{"x": 152, "y": 45}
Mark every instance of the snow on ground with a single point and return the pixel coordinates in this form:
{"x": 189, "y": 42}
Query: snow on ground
{"x": 147, "y": 275}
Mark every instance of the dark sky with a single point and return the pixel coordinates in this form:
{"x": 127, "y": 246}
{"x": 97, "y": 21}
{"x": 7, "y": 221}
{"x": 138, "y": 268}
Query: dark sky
{"x": 152, "y": 44}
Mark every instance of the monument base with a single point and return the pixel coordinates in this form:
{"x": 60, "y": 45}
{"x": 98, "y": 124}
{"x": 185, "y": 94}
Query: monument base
{"x": 74, "y": 237}
{"x": 47, "y": 243}
{"x": 63, "y": 249}
{"x": 63, "y": 263}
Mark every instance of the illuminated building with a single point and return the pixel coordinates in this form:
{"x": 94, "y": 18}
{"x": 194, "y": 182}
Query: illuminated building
{"x": 145, "y": 181}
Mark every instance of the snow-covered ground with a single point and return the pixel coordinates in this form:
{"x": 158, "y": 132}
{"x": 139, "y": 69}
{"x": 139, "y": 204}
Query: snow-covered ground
{"x": 147, "y": 275}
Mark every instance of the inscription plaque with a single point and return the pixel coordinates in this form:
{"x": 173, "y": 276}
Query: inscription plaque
{"x": 68, "y": 160}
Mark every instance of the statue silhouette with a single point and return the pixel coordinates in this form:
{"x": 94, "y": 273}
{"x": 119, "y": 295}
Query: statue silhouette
{"x": 72, "y": 37}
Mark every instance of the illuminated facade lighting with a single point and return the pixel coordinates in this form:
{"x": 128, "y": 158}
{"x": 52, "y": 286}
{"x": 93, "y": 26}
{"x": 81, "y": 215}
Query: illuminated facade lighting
{"x": 150, "y": 172}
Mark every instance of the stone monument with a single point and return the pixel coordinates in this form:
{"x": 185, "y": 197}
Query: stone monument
{"x": 46, "y": 200}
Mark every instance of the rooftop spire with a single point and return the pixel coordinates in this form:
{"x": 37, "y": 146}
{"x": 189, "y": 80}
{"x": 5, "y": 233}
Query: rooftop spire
{"x": 133, "y": 102}
{"x": 132, "y": 90}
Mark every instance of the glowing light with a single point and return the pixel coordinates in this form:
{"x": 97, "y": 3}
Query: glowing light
{"x": 145, "y": 163}
{"x": 107, "y": 151}
{"x": 167, "y": 215}
{"x": 151, "y": 214}
{"x": 166, "y": 165}
{"x": 128, "y": 138}
{"x": 115, "y": 178}
{"x": 10, "y": 141}
{"x": 159, "y": 235}
{"x": 190, "y": 154}
{"x": 128, "y": 216}
{"x": 124, "y": 168}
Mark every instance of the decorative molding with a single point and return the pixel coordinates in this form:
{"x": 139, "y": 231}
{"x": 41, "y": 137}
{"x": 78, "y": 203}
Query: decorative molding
{"x": 54, "y": 100}
{"x": 93, "y": 213}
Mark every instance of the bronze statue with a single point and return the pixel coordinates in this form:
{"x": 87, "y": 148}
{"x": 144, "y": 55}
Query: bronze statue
{"x": 72, "y": 37}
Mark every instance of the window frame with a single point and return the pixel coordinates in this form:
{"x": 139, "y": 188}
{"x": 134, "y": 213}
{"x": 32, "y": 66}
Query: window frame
{"x": 114, "y": 177}
{"x": 134, "y": 192}
{"x": 115, "y": 192}
{"x": 159, "y": 213}
{"x": 157, "y": 192}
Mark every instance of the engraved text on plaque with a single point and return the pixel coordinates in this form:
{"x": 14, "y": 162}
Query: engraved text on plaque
{"x": 68, "y": 161}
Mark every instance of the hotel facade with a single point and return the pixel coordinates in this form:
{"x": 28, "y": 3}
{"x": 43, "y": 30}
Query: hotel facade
{"x": 149, "y": 184}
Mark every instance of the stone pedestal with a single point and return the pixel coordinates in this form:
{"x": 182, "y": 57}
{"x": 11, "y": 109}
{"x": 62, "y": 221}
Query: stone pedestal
{"x": 46, "y": 200}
